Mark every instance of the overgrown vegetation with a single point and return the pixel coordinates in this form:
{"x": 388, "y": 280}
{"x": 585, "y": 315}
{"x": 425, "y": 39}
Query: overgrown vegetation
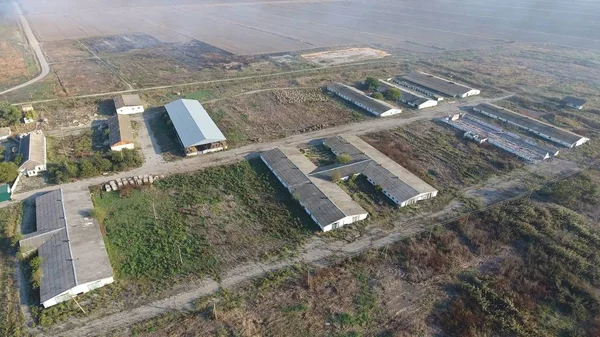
{"x": 11, "y": 317}
{"x": 523, "y": 268}
{"x": 197, "y": 224}
{"x": 85, "y": 155}
{"x": 436, "y": 155}
{"x": 9, "y": 115}
{"x": 8, "y": 172}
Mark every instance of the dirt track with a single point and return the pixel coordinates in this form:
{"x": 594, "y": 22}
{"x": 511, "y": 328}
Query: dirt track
{"x": 33, "y": 42}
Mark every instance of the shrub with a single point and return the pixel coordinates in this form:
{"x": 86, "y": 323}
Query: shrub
{"x": 9, "y": 115}
{"x": 344, "y": 158}
{"x": 36, "y": 272}
{"x": 8, "y": 172}
{"x": 87, "y": 169}
{"x": 377, "y": 95}
{"x": 371, "y": 83}
{"x": 336, "y": 176}
{"x": 392, "y": 94}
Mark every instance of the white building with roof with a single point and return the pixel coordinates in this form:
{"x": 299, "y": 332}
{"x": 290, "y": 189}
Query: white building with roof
{"x": 32, "y": 147}
{"x": 72, "y": 250}
{"x": 120, "y": 134}
{"x": 128, "y": 104}
{"x": 197, "y": 132}
{"x": 374, "y": 106}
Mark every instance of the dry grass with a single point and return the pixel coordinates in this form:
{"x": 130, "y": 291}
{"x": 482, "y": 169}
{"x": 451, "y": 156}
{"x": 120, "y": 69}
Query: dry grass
{"x": 265, "y": 116}
{"x": 440, "y": 157}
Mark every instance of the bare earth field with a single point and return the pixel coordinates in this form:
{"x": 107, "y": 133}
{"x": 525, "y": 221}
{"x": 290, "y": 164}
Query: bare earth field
{"x": 272, "y": 115}
{"x": 86, "y": 77}
{"x": 345, "y": 55}
{"x": 273, "y": 26}
{"x": 17, "y": 63}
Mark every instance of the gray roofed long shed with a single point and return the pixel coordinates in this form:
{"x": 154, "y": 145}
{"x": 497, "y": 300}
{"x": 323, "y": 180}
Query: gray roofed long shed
{"x": 548, "y": 131}
{"x": 308, "y": 194}
{"x": 70, "y": 245}
{"x": 380, "y": 170}
{"x": 58, "y": 267}
{"x": 437, "y": 84}
{"x": 33, "y": 148}
{"x": 358, "y": 97}
{"x": 192, "y": 123}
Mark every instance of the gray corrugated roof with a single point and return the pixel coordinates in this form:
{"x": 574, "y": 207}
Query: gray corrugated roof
{"x": 72, "y": 253}
{"x": 574, "y": 100}
{"x": 120, "y": 129}
{"x": 57, "y": 266}
{"x": 366, "y": 165}
{"x": 192, "y": 123}
{"x": 437, "y": 84}
{"x": 392, "y": 184}
{"x": 33, "y": 148}
{"x": 49, "y": 213}
{"x": 57, "y": 263}
{"x": 531, "y": 123}
{"x": 127, "y": 100}
{"x": 375, "y": 105}
{"x": 339, "y": 145}
{"x": 307, "y": 193}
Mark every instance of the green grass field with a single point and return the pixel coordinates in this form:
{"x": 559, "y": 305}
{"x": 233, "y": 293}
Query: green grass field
{"x": 198, "y": 224}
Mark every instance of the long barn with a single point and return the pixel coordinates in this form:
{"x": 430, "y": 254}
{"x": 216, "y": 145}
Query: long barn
{"x": 74, "y": 258}
{"x": 196, "y": 131}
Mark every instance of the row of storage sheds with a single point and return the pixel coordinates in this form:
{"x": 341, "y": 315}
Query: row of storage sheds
{"x": 534, "y": 126}
{"x": 374, "y": 106}
{"x": 435, "y": 85}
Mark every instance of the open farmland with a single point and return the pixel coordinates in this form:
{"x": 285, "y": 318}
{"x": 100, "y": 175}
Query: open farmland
{"x": 260, "y": 27}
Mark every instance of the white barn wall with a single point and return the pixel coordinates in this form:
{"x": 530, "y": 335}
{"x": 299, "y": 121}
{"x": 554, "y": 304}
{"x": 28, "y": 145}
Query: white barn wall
{"x": 81, "y": 288}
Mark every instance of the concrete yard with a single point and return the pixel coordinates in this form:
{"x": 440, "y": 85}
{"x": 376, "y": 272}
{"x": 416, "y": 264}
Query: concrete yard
{"x": 271, "y": 26}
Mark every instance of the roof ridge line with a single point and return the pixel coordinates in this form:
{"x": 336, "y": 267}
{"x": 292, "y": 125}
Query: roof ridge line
{"x": 62, "y": 203}
{"x": 342, "y": 166}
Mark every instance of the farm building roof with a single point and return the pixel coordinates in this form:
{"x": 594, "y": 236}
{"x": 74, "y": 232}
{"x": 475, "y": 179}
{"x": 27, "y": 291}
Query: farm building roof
{"x": 302, "y": 188}
{"x": 5, "y": 132}
{"x": 120, "y": 130}
{"x": 70, "y": 252}
{"x": 396, "y": 180}
{"x": 574, "y": 100}
{"x": 530, "y": 123}
{"x": 192, "y": 123}
{"x": 437, "y": 84}
{"x": 127, "y": 100}
{"x": 33, "y": 148}
{"x": 359, "y": 97}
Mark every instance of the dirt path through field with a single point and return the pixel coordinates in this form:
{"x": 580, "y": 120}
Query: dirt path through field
{"x": 33, "y": 42}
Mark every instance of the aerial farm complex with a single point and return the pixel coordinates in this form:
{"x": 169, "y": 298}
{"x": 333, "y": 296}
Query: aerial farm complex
{"x": 316, "y": 190}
